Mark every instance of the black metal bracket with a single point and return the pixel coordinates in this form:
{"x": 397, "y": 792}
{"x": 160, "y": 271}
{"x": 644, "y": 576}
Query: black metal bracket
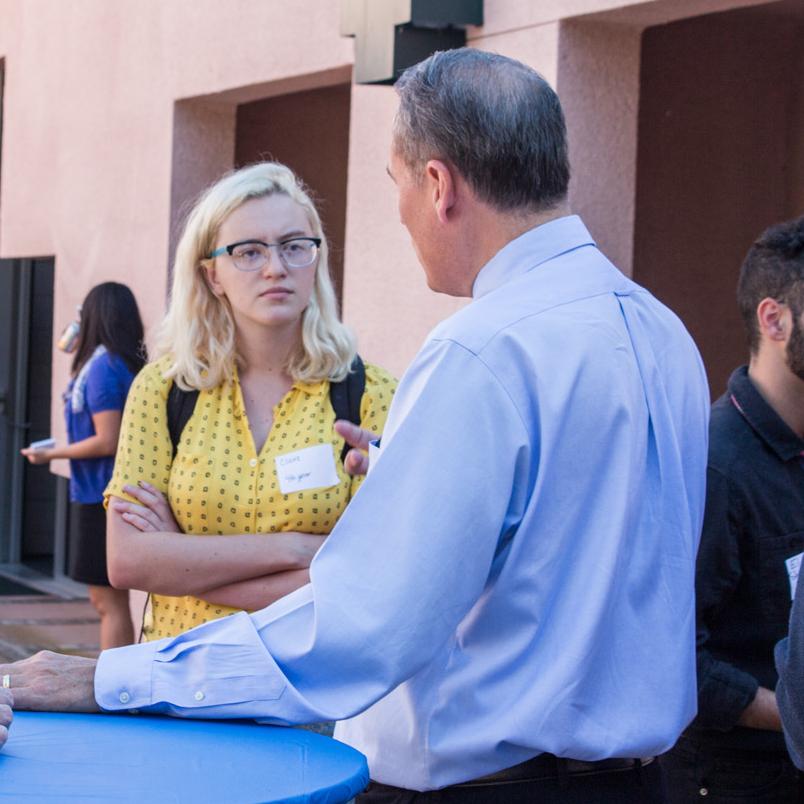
{"x": 392, "y": 35}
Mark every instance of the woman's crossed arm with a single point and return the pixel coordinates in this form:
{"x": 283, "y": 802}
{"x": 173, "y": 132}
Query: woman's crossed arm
{"x": 146, "y": 550}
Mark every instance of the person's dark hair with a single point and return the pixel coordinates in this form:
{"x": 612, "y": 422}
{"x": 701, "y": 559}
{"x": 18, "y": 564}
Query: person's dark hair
{"x": 497, "y": 121}
{"x": 110, "y": 316}
{"x": 773, "y": 268}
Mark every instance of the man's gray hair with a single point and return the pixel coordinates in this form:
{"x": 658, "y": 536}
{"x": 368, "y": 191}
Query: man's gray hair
{"x": 497, "y": 121}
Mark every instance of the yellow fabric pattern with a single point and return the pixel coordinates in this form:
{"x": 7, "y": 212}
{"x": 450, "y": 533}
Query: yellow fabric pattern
{"x": 218, "y": 484}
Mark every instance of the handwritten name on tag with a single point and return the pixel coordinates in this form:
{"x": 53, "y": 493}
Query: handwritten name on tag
{"x": 793, "y": 565}
{"x": 309, "y": 468}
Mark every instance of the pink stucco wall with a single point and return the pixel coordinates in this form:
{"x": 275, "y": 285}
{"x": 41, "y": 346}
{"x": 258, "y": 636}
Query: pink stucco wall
{"x": 116, "y": 114}
{"x": 385, "y": 296}
{"x": 88, "y": 124}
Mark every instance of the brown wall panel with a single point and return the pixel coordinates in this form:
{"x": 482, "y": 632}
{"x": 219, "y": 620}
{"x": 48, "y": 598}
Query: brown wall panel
{"x": 309, "y": 132}
{"x": 716, "y": 109}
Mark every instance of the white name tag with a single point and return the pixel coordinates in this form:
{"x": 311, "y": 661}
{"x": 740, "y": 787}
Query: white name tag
{"x": 793, "y": 565}
{"x": 309, "y": 468}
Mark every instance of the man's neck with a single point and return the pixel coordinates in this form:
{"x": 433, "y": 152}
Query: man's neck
{"x": 491, "y": 231}
{"x": 507, "y": 228}
{"x": 781, "y": 389}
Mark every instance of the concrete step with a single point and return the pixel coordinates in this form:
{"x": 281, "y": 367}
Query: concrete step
{"x": 30, "y": 623}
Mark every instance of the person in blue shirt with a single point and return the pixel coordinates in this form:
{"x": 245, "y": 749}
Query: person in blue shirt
{"x": 110, "y": 351}
{"x": 505, "y": 611}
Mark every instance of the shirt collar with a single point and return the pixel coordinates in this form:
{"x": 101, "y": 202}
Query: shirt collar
{"x": 531, "y": 249}
{"x": 762, "y": 417}
{"x": 316, "y": 387}
{"x": 310, "y": 388}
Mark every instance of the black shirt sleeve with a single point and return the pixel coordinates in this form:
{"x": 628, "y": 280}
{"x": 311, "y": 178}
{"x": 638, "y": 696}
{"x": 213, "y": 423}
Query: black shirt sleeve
{"x": 724, "y": 690}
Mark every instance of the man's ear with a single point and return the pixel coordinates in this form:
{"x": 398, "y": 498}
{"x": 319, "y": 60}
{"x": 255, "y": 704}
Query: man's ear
{"x": 441, "y": 183}
{"x": 772, "y": 319}
{"x": 211, "y": 277}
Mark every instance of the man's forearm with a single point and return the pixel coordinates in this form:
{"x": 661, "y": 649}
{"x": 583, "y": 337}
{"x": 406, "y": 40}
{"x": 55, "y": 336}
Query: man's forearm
{"x": 762, "y": 712}
{"x": 52, "y": 682}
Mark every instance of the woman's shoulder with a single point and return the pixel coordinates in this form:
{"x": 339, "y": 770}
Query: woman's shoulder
{"x": 151, "y": 378}
{"x": 113, "y": 363}
{"x": 378, "y": 389}
{"x": 380, "y": 379}
{"x": 108, "y": 366}
{"x": 376, "y": 401}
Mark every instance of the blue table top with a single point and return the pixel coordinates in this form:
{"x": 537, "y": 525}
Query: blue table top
{"x": 57, "y": 757}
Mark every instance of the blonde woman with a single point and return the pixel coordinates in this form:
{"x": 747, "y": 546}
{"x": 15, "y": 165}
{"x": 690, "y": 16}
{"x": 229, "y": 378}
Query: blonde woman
{"x": 233, "y": 520}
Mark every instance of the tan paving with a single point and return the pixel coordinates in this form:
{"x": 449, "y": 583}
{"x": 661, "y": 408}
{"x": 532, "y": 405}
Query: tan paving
{"x": 43, "y": 622}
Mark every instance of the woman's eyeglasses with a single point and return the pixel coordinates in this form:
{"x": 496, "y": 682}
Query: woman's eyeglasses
{"x": 252, "y": 255}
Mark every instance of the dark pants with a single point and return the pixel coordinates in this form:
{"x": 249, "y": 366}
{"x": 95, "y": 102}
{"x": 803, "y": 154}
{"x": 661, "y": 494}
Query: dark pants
{"x": 638, "y": 785}
{"x": 694, "y": 771}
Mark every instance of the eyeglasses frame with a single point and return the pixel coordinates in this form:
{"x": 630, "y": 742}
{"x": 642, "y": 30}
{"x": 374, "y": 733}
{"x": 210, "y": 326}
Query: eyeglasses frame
{"x": 219, "y": 252}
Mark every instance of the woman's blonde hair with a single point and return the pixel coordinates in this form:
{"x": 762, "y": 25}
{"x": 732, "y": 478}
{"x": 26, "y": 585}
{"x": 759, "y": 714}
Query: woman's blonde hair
{"x": 198, "y": 331}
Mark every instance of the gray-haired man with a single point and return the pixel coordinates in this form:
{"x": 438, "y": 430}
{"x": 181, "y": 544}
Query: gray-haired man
{"x": 505, "y": 610}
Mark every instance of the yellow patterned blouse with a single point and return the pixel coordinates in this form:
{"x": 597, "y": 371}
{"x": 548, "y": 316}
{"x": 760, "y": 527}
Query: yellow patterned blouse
{"x": 218, "y": 484}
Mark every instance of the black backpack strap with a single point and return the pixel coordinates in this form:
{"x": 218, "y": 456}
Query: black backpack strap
{"x": 345, "y": 396}
{"x": 180, "y": 407}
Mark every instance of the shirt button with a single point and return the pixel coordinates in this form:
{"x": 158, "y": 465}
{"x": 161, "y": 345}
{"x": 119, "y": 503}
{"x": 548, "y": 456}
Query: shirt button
{"x": 124, "y": 697}
{"x": 199, "y": 696}
{"x": 252, "y": 462}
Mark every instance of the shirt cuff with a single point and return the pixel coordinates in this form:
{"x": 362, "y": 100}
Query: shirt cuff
{"x": 123, "y": 677}
{"x": 724, "y": 692}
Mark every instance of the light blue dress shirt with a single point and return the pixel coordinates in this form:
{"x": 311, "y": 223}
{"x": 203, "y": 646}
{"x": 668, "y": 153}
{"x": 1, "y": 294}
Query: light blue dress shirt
{"x": 516, "y": 573}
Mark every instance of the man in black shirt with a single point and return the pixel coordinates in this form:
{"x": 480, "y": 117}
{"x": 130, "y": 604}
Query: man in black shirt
{"x": 752, "y": 536}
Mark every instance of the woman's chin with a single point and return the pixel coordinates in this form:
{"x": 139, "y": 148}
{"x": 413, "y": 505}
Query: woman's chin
{"x": 278, "y": 319}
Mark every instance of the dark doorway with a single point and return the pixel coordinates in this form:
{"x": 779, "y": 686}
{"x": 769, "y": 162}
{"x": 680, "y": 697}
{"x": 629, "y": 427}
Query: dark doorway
{"x": 308, "y": 132}
{"x": 719, "y": 129}
{"x": 28, "y": 494}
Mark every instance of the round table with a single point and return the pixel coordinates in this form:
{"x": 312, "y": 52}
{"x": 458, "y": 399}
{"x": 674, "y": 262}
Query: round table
{"x": 56, "y": 757}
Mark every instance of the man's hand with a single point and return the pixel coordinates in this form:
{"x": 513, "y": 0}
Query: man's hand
{"x": 762, "y": 712}
{"x": 6, "y": 715}
{"x": 356, "y": 462}
{"x": 53, "y": 682}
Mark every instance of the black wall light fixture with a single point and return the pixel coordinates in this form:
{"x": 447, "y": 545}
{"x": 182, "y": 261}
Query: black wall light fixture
{"x": 392, "y": 35}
